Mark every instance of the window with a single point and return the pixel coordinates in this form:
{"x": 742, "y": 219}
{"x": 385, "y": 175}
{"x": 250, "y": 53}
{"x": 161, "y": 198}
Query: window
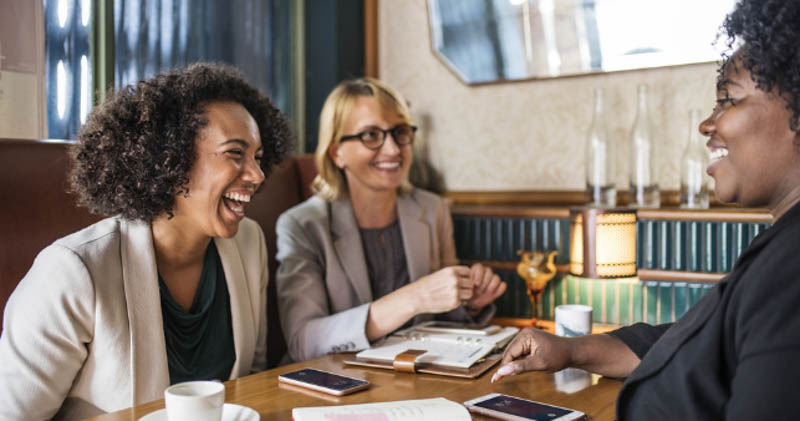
{"x": 68, "y": 73}
{"x": 151, "y": 36}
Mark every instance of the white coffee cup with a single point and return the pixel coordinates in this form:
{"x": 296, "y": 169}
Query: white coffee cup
{"x": 573, "y": 320}
{"x": 196, "y": 401}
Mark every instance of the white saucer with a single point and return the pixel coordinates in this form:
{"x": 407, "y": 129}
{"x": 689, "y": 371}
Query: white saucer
{"x": 230, "y": 412}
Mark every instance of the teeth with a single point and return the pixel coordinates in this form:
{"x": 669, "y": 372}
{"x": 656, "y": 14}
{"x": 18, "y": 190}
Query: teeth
{"x": 387, "y": 165}
{"x": 237, "y": 197}
{"x": 719, "y": 154}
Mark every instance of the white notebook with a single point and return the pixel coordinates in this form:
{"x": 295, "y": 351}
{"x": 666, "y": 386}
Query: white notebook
{"x": 443, "y": 349}
{"x": 436, "y": 409}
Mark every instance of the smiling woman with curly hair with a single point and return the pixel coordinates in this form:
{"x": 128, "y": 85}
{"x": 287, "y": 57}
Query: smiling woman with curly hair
{"x": 734, "y": 354}
{"x": 134, "y": 154}
{"x": 172, "y": 285}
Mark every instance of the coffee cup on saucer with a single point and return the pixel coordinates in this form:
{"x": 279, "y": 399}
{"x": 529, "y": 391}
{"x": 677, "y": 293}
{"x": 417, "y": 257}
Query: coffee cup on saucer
{"x": 196, "y": 400}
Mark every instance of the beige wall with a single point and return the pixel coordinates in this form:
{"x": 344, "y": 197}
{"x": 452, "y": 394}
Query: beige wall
{"x": 529, "y": 135}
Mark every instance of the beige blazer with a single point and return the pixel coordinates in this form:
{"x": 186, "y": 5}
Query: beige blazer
{"x": 83, "y": 331}
{"x": 323, "y": 287}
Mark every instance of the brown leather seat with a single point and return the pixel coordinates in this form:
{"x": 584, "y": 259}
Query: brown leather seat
{"x": 37, "y": 210}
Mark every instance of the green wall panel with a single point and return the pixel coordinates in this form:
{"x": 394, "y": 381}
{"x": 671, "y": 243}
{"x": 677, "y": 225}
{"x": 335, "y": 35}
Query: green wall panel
{"x": 700, "y": 246}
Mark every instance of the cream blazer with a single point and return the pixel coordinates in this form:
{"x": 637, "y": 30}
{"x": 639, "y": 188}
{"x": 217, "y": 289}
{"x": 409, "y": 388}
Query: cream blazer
{"x": 83, "y": 331}
{"x": 323, "y": 287}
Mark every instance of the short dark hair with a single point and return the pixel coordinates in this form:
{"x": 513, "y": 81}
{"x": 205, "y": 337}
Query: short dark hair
{"x": 133, "y": 155}
{"x": 769, "y": 31}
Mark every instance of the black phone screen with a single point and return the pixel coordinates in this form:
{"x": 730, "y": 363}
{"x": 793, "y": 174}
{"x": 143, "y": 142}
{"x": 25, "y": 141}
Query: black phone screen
{"x": 522, "y": 408}
{"x": 321, "y": 378}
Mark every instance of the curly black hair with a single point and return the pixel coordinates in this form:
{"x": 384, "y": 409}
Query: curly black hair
{"x": 769, "y": 33}
{"x": 133, "y": 155}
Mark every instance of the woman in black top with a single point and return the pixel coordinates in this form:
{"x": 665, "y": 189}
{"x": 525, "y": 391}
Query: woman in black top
{"x": 735, "y": 354}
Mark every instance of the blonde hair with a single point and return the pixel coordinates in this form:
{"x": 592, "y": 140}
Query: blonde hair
{"x": 330, "y": 183}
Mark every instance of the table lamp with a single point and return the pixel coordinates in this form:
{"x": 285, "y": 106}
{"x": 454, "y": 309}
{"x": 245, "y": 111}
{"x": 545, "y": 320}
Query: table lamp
{"x": 602, "y": 242}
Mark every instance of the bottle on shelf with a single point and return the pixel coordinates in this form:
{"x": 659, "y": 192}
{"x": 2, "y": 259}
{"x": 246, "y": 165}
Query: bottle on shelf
{"x": 694, "y": 181}
{"x": 599, "y": 155}
{"x": 642, "y": 180}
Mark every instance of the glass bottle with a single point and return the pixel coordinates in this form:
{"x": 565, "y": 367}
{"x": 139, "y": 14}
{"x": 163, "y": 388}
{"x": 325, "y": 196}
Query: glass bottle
{"x": 694, "y": 181}
{"x": 599, "y": 169}
{"x": 643, "y": 185}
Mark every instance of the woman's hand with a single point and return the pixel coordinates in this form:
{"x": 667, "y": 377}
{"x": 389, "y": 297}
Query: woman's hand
{"x": 486, "y": 285}
{"x": 443, "y": 290}
{"x": 535, "y": 349}
{"x": 438, "y": 292}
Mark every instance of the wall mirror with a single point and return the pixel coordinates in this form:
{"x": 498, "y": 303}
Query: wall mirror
{"x": 485, "y": 41}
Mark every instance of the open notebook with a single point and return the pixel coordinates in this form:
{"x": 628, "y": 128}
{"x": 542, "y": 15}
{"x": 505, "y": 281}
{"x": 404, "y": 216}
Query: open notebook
{"x": 435, "y": 409}
{"x": 457, "y": 351}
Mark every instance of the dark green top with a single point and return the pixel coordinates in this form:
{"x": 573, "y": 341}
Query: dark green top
{"x": 200, "y": 342}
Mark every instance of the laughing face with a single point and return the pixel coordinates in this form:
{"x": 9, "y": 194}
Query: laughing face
{"x": 754, "y": 154}
{"x": 367, "y": 170}
{"x": 226, "y": 173}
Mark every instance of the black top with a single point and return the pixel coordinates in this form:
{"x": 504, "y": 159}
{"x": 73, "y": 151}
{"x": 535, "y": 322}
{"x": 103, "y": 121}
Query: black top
{"x": 734, "y": 355}
{"x": 386, "y": 258}
{"x": 200, "y": 342}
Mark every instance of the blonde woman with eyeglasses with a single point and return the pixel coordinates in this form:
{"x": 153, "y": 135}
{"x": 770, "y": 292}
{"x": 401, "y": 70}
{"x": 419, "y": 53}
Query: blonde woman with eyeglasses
{"x": 369, "y": 253}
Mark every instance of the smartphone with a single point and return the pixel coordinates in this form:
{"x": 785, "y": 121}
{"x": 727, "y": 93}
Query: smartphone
{"x": 456, "y": 327}
{"x": 324, "y": 381}
{"x": 509, "y": 408}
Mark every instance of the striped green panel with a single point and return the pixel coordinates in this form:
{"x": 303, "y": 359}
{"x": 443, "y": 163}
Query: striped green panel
{"x": 679, "y": 245}
{"x": 486, "y": 239}
{"x": 651, "y": 301}
{"x": 709, "y": 241}
{"x": 740, "y": 240}
{"x": 573, "y": 289}
{"x": 560, "y": 293}
{"x": 723, "y": 246}
{"x": 477, "y": 239}
{"x": 681, "y": 297}
{"x": 650, "y": 246}
{"x": 612, "y": 309}
{"x": 636, "y": 302}
{"x": 695, "y": 293}
{"x": 585, "y": 294}
{"x": 664, "y": 233}
{"x": 598, "y": 304}
{"x": 625, "y": 303}
{"x": 693, "y": 246}
{"x": 665, "y": 302}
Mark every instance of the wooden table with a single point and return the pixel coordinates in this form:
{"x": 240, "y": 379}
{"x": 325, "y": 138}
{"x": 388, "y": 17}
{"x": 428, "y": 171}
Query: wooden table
{"x": 274, "y": 401}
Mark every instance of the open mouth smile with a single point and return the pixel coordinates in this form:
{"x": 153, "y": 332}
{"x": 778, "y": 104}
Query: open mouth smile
{"x": 236, "y": 202}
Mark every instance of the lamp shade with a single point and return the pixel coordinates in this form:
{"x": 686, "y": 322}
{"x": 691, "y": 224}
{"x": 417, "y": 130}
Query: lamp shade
{"x": 602, "y": 242}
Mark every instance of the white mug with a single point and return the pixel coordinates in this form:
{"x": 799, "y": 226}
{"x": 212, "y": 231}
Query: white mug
{"x": 196, "y": 401}
{"x": 573, "y": 320}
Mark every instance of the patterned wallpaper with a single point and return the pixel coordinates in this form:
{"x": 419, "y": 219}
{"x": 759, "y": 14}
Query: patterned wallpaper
{"x": 529, "y": 135}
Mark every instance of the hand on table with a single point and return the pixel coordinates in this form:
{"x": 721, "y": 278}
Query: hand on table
{"x": 534, "y": 349}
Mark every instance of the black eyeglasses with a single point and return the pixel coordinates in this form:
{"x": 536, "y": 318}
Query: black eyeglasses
{"x": 374, "y": 137}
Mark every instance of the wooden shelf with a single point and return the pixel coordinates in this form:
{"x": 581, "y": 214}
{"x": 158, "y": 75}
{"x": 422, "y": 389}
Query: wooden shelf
{"x": 556, "y": 204}
{"x": 679, "y": 276}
